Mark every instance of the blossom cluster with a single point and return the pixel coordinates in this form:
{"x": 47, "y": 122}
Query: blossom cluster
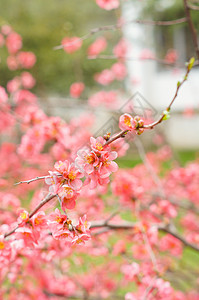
{"x": 31, "y": 229}
{"x": 127, "y": 122}
{"x": 38, "y": 252}
{"x": 95, "y": 164}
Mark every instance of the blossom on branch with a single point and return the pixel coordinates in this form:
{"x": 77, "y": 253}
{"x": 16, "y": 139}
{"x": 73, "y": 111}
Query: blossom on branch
{"x": 72, "y": 44}
{"x": 108, "y": 4}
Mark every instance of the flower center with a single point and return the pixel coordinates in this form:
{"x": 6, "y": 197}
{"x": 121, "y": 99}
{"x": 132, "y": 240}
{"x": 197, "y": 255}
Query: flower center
{"x": 90, "y": 159}
{"x": 72, "y": 175}
{"x": 69, "y": 192}
{"x": 23, "y": 215}
{"x": 2, "y": 245}
{"x": 127, "y": 121}
{"x": 59, "y": 220}
{"x": 63, "y": 235}
{"x": 99, "y": 146}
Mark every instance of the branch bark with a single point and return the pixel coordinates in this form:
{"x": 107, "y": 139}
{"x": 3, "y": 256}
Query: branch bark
{"x": 118, "y": 26}
{"x": 40, "y": 205}
{"x": 129, "y": 225}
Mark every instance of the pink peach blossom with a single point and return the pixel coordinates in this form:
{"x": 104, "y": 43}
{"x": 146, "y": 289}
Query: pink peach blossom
{"x": 76, "y": 89}
{"x": 108, "y": 4}
{"x": 171, "y": 56}
{"x": 26, "y": 59}
{"x": 27, "y": 80}
{"x": 119, "y": 69}
{"x": 72, "y": 44}
{"x": 126, "y": 122}
{"x": 86, "y": 160}
{"x": 98, "y": 46}
{"x": 120, "y": 50}
{"x": 13, "y": 42}
{"x": 105, "y": 77}
{"x": 107, "y": 98}
{"x": 12, "y": 62}
{"x": 14, "y": 85}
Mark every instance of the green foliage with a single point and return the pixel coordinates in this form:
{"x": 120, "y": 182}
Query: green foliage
{"x": 166, "y": 115}
{"x": 42, "y": 25}
{"x": 191, "y": 63}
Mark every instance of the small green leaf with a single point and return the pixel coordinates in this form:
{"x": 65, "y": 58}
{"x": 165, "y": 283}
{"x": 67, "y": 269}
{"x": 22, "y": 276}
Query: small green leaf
{"x": 178, "y": 83}
{"x": 166, "y": 115}
{"x": 191, "y": 63}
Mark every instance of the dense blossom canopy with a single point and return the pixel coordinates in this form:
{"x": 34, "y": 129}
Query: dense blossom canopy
{"x": 77, "y": 225}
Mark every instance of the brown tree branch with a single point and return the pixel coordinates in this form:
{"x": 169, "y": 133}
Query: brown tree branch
{"x": 123, "y": 133}
{"x": 118, "y": 26}
{"x": 31, "y": 180}
{"x": 193, "y": 7}
{"x": 41, "y": 204}
{"x": 158, "y": 60}
{"x": 130, "y": 225}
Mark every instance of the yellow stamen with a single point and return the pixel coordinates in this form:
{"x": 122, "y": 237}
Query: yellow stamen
{"x": 72, "y": 175}
{"x": 23, "y": 215}
{"x": 99, "y": 146}
{"x": 127, "y": 121}
{"x": 90, "y": 159}
{"x": 2, "y": 245}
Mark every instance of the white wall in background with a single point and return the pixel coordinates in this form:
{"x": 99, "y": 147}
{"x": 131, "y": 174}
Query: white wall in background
{"x": 159, "y": 87}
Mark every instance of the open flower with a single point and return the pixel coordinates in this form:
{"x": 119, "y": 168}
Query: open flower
{"x": 86, "y": 160}
{"x": 68, "y": 197}
{"x": 82, "y": 238}
{"x": 126, "y": 122}
{"x": 107, "y": 164}
{"x": 76, "y": 89}
{"x": 39, "y": 220}
{"x": 97, "y": 145}
{"x": 83, "y": 225}
{"x": 70, "y": 174}
{"x": 62, "y": 234}
{"x": 54, "y": 181}
{"x": 23, "y": 216}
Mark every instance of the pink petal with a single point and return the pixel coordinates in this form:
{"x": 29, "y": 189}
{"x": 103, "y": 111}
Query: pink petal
{"x": 89, "y": 169}
{"x": 68, "y": 204}
{"x": 113, "y": 166}
{"x": 76, "y": 184}
{"x": 112, "y": 155}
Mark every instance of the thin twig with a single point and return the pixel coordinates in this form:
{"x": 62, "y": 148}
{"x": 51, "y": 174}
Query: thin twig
{"x": 149, "y": 288}
{"x": 158, "y": 60}
{"x": 193, "y": 7}
{"x": 130, "y": 225}
{"x": 118, "y": 26}
{"x": 179, "y": 237}
{"x": 42, "y": 203}
{"x": 150, "y": 251}
{"x": 112, "y": 216}
{"x": 123, "y": 133}
{"x": 31, "y": 180}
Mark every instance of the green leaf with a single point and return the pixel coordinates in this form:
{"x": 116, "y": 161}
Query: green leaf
{"x": 191, "y": 63}
{"x": 166, "y": 115}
